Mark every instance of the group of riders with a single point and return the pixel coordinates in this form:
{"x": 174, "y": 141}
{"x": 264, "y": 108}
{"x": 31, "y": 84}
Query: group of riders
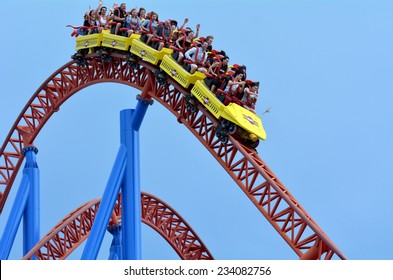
{"x": 194, "y": 53}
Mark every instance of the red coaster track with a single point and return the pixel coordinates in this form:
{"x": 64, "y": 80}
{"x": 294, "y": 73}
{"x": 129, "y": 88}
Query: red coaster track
{"x": 69, "y": 233}
{"x": 243, "y": 164}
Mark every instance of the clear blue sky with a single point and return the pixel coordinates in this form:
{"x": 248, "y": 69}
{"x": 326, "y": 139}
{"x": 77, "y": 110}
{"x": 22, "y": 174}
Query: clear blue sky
{"x": 326, "y": 69}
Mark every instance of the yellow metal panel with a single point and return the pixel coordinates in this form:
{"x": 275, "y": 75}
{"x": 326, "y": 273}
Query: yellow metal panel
{"x": 118, "y": 42}
{"x": 207, "y": 98}
{"x": 147, "y": 53}
{"x": 178, "y": 73}
{"x": 88, "y": 41}
{"x": 245, "y": 119}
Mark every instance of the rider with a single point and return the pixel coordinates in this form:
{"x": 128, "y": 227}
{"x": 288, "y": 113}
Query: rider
{"x": 250, "y": 96}
{"x": 119, "y": 16}
{"x": 197, "y": 55}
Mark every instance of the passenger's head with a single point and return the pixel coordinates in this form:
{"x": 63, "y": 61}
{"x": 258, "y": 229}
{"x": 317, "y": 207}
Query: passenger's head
{"x": 174, "y": 23}
{"x": 209, "y": 39}
{"x": 239, "y": 74}
{"x": 153, "y": 16}
{"x": 92, "y": 13}
{"x": 123, "y": 7}
{"x": 254, "y": 85}
{"x": 225, "y": 60}
{"x": 167, "y": 23}
{"x": 142, "y": 12}
{"x": 190, "y": 34}
{"x": 103, "y": 11}
{"x": 204, "y": 45}
{"x": 134, "y": 12}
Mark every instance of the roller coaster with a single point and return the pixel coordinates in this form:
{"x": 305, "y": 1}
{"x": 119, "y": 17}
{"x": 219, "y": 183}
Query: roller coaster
{"x": 234, "y": 119}
{"x": 229, "y": 132}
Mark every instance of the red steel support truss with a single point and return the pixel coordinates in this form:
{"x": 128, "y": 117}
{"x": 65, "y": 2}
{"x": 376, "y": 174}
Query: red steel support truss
{"x": 243, "y": 164}
{"x": 69, "y": 233}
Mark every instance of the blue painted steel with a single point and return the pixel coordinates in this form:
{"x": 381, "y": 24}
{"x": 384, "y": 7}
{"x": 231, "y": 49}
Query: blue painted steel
{"x": 31, "y": 221}
{"x": 126, "y": 172}
{"x": 130, "y": 122}
{"x": 139, "y": 113}
{"x": 131, "y": 215}
{"x": 13, "y": 222}
{"x": 108, "y": 201}
{"x": 115, "y": 252}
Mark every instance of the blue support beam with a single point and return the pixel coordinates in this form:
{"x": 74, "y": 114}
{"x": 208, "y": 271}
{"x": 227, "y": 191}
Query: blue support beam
{"x": 130, "y": 122}
{"x": 108, "y": 201}
{"x": 31, "y": 221}
{"x": 140, "y": 112}
{"x": 131, "y": 204}
{"x": 15, "y": 217}
{"x": 126, "y": 243}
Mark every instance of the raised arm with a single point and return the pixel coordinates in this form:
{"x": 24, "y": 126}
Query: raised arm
{"x": 99, "y": 7}
{"x": 184, "y": 23}
{"x": 197, "y": 30}
{"x": 178, "y": 42}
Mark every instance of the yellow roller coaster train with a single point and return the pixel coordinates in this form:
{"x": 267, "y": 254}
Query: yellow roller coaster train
{"x": 233, "y": 118}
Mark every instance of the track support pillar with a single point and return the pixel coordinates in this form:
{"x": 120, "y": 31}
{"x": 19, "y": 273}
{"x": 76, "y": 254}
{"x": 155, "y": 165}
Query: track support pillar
{"x": 131, "y": 198}
{"x": 31, "y": 221}
{"x": 108, "y": 201}
{"x": 130, "y": 123}
{"x": 14, "y": 219}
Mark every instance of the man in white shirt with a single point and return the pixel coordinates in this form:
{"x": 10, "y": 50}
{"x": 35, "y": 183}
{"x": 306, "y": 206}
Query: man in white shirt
{"x": 198, "y": 56}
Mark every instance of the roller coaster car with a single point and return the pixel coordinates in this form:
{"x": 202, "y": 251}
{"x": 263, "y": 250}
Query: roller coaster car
{"x": 234, "y": 118}
{"x": 147, "y": 53}
{"x": 178, "y": 73}
{"x": 118, "y": 42}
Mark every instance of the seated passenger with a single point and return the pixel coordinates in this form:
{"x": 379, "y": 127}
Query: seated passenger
{"x": 102, "y": 17}
{"x": 161, "y": 35}
{"x": 250, "y": 96}
{"x": 197, "y": 56}
{"x": 84, "y": 29}
{"x": 133, "y": 23}
{"x": 183, "y": 44}
{"x": 234, "y": 86}
{"x": 142, "y": 14}
{"x": 148, "y": 26}
{"x": 218, "y": 70}
{"x": 209, "y": 39}
{"x": 119, "y": 17}
{"x": 176, "y": 29}
{"x": 92, "y": 23}
{"x": 198, "y": 26}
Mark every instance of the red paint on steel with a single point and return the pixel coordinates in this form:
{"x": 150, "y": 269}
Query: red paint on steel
{"x": 243, "y": 164}
{"x": 70, "y": 232}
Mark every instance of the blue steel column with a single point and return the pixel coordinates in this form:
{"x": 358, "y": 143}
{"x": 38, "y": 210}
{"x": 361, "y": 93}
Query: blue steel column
{"x": 130, "y": 122}
{"x": 108, "y": 201}
{"x": 13, "y": 222}
{"x": 131, "y": 212}
{"x": 31, "y": 221}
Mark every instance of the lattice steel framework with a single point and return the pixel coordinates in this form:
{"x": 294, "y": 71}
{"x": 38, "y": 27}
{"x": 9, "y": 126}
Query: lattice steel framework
{"x": 69, "y": 233}
{"x": 243, "y": 164}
